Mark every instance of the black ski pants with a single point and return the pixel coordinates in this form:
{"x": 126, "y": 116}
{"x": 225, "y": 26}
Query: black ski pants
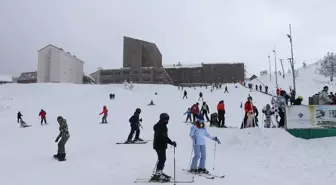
{"x": 282, "y": 119}
{"x": 194, "y": 117}
{"x": 104, "y": 120}
{"x": 19, "y": 119}
{"x": 188, "y": 118}
{"x": 43, "y": 120}
{"x": 137, "y": 133}
{"x": 205, "y": 114}
{"x": 61, "y": 144}
{"x": 161, "y": 153}
{"x": 221, "y": 118}
{"x": 185, "y": 96}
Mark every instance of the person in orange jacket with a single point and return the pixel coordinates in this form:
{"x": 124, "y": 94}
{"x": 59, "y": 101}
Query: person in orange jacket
{"x": 221, "y": 113}
{"x": 104, "y": 112}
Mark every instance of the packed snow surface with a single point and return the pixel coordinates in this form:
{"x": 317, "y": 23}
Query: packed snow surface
{"x": 249, "y": 156}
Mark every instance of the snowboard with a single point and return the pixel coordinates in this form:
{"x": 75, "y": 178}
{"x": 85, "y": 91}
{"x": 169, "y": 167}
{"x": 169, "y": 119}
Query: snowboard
{"x": 135, "y": 142}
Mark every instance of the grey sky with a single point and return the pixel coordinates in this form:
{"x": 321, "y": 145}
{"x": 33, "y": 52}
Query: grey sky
{"x": 186, "y": 31}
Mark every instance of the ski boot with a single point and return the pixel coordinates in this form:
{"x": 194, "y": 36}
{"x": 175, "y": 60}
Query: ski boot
{"x": 61, "y": 157}
{"x": 56, "y": 156}
{"x": 203, "y": 170}
{"x": 129, "y": 141}
{"x": 194, "y": 171}
{"x": 137, "y": 139}
{"x": 159, "y": 177}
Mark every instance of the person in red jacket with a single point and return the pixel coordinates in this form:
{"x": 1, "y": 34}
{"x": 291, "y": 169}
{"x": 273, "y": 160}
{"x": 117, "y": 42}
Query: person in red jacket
{"x": 104, "y": 112}
{"x": 195, "y": 111}
{"x": 248, "y": 107}
{"x": 43, "y": 117}
{"x": 221, "y": 113}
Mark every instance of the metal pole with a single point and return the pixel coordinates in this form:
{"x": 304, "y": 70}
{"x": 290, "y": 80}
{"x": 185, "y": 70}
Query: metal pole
{"x": 269, "y": 65}
{"x": 292, "y": 60}
{"x": 276, "y": 71}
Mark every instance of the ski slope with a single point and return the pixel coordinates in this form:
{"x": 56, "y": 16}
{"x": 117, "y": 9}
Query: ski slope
{"x": 249, "y": 156}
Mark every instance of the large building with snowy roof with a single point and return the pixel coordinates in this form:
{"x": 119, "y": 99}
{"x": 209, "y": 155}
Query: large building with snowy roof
{"x": 142, "y": 63}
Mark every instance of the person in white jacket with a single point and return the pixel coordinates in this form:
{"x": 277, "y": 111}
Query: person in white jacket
{"x": 198, "y": 133}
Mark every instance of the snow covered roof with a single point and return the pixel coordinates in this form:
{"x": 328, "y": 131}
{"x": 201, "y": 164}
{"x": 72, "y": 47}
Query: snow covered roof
{"x": 6, "y": 78}
{"x": 183, "y": 66}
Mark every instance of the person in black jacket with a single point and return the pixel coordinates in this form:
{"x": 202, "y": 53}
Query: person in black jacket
{"x": 160, "y": 142}
{"x": 135, "y": 124}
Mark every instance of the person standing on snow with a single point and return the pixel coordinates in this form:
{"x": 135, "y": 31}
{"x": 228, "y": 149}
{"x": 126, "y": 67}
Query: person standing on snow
{"x": 226, "y": 90}
{"x": 248, "y": 107}
{"x": 161, "y": 140}
{"x": 200, "y": 96}
{"x": 195, "y": 111}
{"x": 324, "y": 98}
{"x": 221, "y": 113}
{"x": 64, "y": 135}
{"x": 188, "y": 112}
{"x": 135, "y": 124}
{"x": 205, "y": 111}
{"x": 281, "y": 104}
{"x": 298, "y": 100}
{"x": 105, "y": 112}
{"x": 268, "y": 113}
{"x": 19, "y": 117}
{"x": 185, "y": 94}
{"x": 198, "y": 133}
{"x": 43, "y": 114}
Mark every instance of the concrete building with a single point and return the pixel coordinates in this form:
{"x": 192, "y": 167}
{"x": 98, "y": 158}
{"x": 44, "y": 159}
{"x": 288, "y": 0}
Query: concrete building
{"x": 57, "y": 66}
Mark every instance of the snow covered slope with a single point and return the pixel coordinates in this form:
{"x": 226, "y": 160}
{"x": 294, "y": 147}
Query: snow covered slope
{"x": 308, "y": 82}
{"x": 249, "y": 156}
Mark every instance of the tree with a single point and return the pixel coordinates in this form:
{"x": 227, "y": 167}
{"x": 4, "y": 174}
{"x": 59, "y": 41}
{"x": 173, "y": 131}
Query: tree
{"x": 328, "y": 65}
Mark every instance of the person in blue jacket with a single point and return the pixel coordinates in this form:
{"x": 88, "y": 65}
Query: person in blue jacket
{"x": 198, "y": 133}
{"x": 188, "y": 115}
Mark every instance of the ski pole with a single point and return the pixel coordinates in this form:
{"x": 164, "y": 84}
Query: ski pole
{"x": 192, "y": 150}
{"x": 174, "y": 168}
{"x": 213, "y": 168}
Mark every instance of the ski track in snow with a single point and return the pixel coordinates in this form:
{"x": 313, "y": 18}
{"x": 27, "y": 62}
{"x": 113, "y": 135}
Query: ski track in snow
{"x": 249, "y": 156}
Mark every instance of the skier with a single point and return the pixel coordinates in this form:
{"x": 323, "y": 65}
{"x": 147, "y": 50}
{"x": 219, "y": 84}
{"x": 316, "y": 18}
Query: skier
{"x": 105, "y": 112}
{"x": 268, "y": 113}
{"x": 226, "y": 90}
{"x": 221, "y": 113}
{"x": 195, "y": 111}
{"x": 185, "y": 94}
{"x": 188, "y": 112}
{"x": 198, "y": 132}
{"x": 19, "y": 117}
{"x": 160, "y": 142}
{"x": 151, "y": 103}
{"x": 281, "y": 104}
{"x": 248, "y": 107}
{"x": 43, "y": 114}
{"x": 111, "y": 96}
{"x": 205, "y": 110}
{"x": 260, "y": 88}
{"x": 64, "y": 135}
{"x": 135, "y": 124}
{"x": 266, "y": 89}
{"x": 200, "y": 96}
{"x": 256, "y": 86}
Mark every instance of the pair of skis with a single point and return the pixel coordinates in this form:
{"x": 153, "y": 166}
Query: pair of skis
{"x": 134, "y": 142}
{"x": 206, "y": 175}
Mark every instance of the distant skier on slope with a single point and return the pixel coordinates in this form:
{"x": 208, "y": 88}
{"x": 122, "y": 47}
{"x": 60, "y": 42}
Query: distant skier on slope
{"x": 105, "y": 113}
{"x": 188, "y": 112}
{"x": 200, "y": 96}
{"x": 135, "y": 124}
{"x": 185, "y": 94}
{"x": 205, "y": 111}
{"x": 64, "y": 135}
{"x": 151, "y": 103}
{"x": 19, "y": 117}
{"x": 43, "y": 114}
{"x": 198, "y": 132}
{"x": 160, "y": 142}
{"x": 226, "y": 90}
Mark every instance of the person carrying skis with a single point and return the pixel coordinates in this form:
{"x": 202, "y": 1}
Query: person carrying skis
{"x": 205, "y": 110}
{"x": 198, "y": 132}
{"x": 161, "y": 140}
{"x": 43, "y": 114}
{"x": 185, "y": 94}
{"x": 64, "y": 136}
{"x": 135, "y": 124}
{"x": 221, "y": 113}
{"x": 19, "y": 117}
{"x": 188, "y": 112}
{"x": 200, "y": 96}
{"x": 104, "y": 112}
{"x": 195, "y": 111}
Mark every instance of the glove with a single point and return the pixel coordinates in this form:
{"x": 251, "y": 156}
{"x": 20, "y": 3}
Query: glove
{"x": 173, "y": 143}
{"x": 217, "y": 140}
{"x": 56, "y": 140}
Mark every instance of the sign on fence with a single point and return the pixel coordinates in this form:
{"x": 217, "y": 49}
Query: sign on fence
{"x": 311, "y": 116}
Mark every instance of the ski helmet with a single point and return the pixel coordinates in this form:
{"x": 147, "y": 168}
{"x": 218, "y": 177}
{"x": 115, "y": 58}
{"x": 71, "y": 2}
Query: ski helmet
{"x": 325, "y": 88}
{"x": 59, "y": 118}
{"x": 138, "y": 110}
{"x": 164, "y": 116}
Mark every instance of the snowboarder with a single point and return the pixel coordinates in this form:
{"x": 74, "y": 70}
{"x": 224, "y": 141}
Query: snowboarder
{"x": 43, "y": 114}
{"x": 151, "y": 103}
{"x": 64, "y": 135}
{"x": 200, "y": 96}
{"x": 19, "y": 117}
{"x": 135, "y": 124}
{"x": 185, "y": 94}
{"x": 226, "y": 90}
{"x": 195, "y": 111}
{"x": 105, "y": 113}
{"x": 205, "y": 110}
{"x": 160, "y": 142}
{"x": 188, "y": 112}
{"x": 221, "y": 113}
{"x": 198, "y": 132}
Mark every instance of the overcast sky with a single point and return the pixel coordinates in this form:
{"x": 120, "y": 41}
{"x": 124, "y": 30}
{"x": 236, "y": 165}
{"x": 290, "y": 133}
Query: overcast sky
{"x": 186, "y": 31}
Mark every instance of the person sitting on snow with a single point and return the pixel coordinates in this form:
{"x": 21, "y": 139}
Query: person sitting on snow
{"x": 23, "y": 124}
{"x": 151, "y": 103}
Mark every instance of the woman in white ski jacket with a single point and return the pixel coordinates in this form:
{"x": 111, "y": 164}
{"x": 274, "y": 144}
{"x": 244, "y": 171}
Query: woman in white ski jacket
{"x": 198, "y": 133}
